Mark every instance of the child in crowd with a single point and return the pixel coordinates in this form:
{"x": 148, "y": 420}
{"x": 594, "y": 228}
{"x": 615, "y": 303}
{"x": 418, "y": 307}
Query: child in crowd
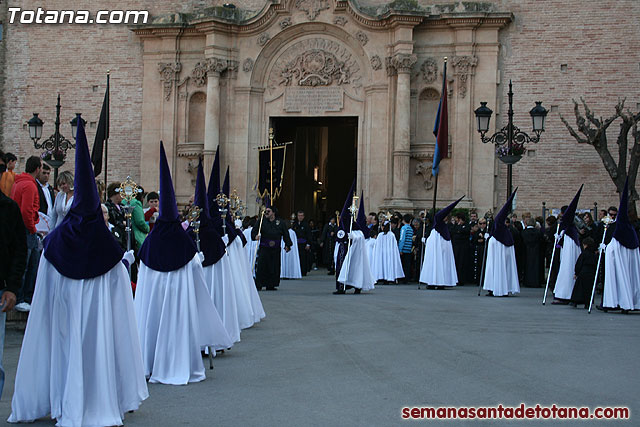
{"x": 585, "y": 273}
{"x": 151, "y": 213}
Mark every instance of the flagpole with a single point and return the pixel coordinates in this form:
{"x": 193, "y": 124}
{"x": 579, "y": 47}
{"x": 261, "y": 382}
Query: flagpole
{"x": 106, "y": 142}
{"x": 271, "y": 165}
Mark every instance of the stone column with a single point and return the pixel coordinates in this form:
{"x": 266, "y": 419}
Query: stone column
{"x": 401, "y": 140}
{"x": 214, "y": 67}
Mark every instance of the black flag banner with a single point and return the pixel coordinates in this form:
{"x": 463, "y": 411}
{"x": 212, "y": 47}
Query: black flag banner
{"x": 102, "y": 134}
{"x": 264, "y": 174}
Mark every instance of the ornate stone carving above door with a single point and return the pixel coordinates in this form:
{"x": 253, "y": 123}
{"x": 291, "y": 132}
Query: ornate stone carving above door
{"x": 315, "y": 62}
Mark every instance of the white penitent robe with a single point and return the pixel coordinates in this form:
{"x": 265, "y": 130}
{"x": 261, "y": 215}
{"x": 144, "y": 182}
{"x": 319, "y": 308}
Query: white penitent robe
{"x": 370, "y": 243}
{"x": 250, "y": 250}
{"x": 176, "y": 318}
{"x": 385, "y": 259}
{"x": 80, "y": 359}
{"x": 243, "y": 298}
{"x": 501, "y": 272}
{"x": 439, "y": 266}
{"x": 290, "y": 261}
{"x": 355, "y": 270}
{"x": 250, "y": 284}
{"x": 568, "y": 257}
{"x": 621, "y": 277}
{"x": 218, "y": 279}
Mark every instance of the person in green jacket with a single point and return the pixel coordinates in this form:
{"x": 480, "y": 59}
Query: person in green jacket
{"x": 139, "y": 226}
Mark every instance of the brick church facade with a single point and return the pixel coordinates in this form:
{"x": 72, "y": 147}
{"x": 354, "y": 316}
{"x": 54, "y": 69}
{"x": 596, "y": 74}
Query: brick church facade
{"x": 354, "y": 85}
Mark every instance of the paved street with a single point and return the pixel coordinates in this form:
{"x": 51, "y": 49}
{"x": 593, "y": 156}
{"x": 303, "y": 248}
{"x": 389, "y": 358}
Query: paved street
{"x": 321, "y": 359}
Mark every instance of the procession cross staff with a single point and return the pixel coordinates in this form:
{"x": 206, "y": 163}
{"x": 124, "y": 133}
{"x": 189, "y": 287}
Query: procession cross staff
{"x": 553, "y": 253}
{"x": 128, "y": 191}
{"x": 223, "y": 201}
{"x": 193, "y": 216}
{"x": 353, "y": 209}
{"x": 484, "y": 258}
{"x": 607, "y": 220}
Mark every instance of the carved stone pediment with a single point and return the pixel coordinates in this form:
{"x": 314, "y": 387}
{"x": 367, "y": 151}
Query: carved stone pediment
{"x": 315, "y": 62}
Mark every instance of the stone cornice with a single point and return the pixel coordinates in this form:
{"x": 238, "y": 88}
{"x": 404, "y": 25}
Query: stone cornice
{"x": 392, "y": 15}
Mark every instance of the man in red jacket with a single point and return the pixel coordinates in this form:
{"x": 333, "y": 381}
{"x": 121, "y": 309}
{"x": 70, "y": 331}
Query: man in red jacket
{"x": 25, "y": 194}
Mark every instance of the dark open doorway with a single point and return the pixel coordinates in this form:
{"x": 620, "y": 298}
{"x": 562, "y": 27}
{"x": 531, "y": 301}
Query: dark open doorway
{"x": 320, "y": 164}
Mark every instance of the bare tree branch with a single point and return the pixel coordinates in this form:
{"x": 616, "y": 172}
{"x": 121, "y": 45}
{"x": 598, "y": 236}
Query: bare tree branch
{"x": 573, "y": 132}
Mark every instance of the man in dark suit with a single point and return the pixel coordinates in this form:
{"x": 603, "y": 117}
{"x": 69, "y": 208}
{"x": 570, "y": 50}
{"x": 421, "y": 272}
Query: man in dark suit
{"x": 303, "y": 233}
{"x": 45, "y": 191}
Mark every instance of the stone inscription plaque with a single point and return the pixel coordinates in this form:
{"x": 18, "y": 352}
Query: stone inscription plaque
{"x": 314, "y": 100}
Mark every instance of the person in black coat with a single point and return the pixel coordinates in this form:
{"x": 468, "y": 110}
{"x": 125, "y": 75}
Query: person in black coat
{"x": 460, "y": 240}
{"x": 515, "y": 227}
{"x": 478, "y": 244}
{"x": 328, "y": 244}
{"x": 532, "y": 239}
{"x": 13, "y": 253}
{"x": 43, "y": 185}
{"x": 303, "y": 233}
{"x": 585, "y": 273}
{"x": 549, "y": 242}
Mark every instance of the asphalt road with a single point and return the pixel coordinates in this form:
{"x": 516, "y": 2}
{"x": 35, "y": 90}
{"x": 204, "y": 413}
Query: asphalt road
{"x": 346, "y": 360}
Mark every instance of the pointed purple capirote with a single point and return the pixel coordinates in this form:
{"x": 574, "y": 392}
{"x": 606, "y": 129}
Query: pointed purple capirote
{"x": 225, "y": 184}
{"x": 167, "y": 247}
{"x": 361, "y": 219}
{"x": 624, "y": 232}
{"x": 567, "y": 223}
{"x": 438, "y": 222}
{"x": 168, "y": 207}
{"x": 499, "y": 231}
{"x": 82, "y": 247}
{"x": 345, "y": 214}
{"x": 211, "y": 243}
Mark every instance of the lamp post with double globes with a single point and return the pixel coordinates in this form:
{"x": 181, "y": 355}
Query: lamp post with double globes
{"x": 510, "y": 140}
{"x": 56, "y": 145}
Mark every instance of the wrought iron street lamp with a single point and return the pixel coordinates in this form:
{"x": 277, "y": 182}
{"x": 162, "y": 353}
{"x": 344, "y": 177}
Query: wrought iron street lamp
{"x": 510, "y": 140}
{"x": 55, "y": 147}
{"x": 74, "y": 125}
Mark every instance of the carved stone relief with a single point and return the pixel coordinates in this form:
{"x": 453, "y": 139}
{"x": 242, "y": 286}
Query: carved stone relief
{"x": 340, "y": 20}
{"x": 263, "y": 39}
{"x": 362, "y": 38}
{"x": 286, "y": 22}
{"x": 376, "y": 62}
{"x": 210, "y": 65}
{"x": 403, "y": 62}
{"x": 463, "y": 66}
{"x": 247, "y": 65}
{"x": 312, "y": 7}
{"x": 315, "y": 62}
{"x": 168, "y": 75}
{"x": 199, "y": 74}
{"x": 424, "y": 169}
{"x": 429, "y": 70}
